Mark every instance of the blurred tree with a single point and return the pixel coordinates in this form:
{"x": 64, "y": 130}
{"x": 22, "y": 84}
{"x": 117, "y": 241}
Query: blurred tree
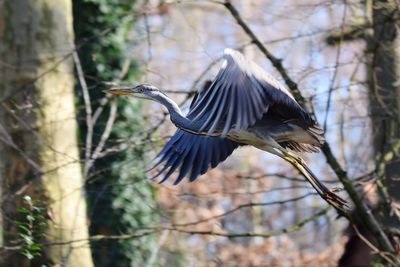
{"x": 120, "y": 199}
{"x": 383, "y": 62}
{"x": 377, "y": 24}
{"x": 38, "y": 144}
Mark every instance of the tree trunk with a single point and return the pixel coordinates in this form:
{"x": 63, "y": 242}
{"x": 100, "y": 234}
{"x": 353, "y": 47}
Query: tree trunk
{"x": 383, "y": 59}
{"x": 38, "y": 145}
{"x": 383, "y": 71}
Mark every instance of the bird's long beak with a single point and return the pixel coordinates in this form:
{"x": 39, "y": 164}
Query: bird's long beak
{"x": 119, "y": 91}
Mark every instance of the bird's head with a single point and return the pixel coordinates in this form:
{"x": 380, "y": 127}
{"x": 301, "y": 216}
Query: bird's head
{"x": 145, "y": 91}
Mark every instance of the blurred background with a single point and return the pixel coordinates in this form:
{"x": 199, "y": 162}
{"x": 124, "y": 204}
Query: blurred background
{"x": 74, "y": 187}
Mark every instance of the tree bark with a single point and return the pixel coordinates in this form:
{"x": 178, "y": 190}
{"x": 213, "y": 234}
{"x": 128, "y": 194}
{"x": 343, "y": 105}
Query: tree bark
{"x": 382, "y": 56}
{"x": 383, "y": 63}
{"x": 38, "y": 144}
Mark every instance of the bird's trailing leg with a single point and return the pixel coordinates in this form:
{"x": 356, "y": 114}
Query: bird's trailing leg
{"x": 328, "y": 195}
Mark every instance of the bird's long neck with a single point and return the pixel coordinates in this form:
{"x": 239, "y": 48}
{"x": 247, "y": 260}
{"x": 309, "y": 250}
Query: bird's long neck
{"x": 176, "y": 115}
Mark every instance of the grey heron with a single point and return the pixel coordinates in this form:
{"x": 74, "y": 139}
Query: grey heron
{"x": 243, "y": 105}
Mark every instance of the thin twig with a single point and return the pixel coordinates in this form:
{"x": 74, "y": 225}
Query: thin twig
{"x": 88, "y": 110}
{"x": 371, "y": 246}
{"x": 153, "y": 230}
{"x": 252, "y": 204}
{"x": 30, "y": 84}
{"x": 106, "y": 132}
{"x": 338, "y": 53}
{"x": 6, "y": 138}
{"x": 103, "y": 102}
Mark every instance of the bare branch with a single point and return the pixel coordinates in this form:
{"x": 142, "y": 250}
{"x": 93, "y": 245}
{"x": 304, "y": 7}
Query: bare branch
{"x": 7, "y": 139}
{"x": 349, "y": 33}
{"x": 153, "y": 230}
{"x": 88, "y": 110}
{"x": 107, "y": 131}
{"x": 338, "y": 52}
{"x": 279, "y": 202}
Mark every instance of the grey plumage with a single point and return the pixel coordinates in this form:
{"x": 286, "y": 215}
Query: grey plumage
{"x": 243, "y": 105}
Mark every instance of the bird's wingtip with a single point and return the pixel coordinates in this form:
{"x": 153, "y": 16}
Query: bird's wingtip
{"x": 234, "y": 55}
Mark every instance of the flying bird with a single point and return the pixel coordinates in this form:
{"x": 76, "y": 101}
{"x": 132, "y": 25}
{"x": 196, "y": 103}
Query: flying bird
{"x": 243, "y": 105}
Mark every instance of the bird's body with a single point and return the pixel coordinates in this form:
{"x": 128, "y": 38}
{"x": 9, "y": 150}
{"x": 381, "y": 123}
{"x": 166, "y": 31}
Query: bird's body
{"x": 243, "y": 105}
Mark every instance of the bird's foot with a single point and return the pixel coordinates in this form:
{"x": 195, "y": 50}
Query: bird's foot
{"x": 335, "y": 189}
{"x": 341, "y": 205}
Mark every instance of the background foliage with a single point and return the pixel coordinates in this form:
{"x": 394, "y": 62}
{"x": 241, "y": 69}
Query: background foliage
{"x": 120, "y": 198}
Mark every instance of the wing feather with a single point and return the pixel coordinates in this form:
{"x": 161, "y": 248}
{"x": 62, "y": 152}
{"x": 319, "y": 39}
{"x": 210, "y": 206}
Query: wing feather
{"x": 243, "y": 89}
{"x": 192, "y": 153}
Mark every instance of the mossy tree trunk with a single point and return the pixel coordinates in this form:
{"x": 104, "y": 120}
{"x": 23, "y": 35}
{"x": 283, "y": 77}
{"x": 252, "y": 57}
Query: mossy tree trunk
{"x": 380, "y": 32}
{"x": 383, "y": 63}
{"x": 38, "y": 139}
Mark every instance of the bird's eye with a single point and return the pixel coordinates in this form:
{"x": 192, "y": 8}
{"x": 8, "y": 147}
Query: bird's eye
{"x": 141, "y": 90}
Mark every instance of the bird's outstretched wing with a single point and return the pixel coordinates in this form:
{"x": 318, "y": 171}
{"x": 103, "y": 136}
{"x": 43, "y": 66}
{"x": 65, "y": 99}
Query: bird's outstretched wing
{"x": 239, "y": 96}
{"x": 192, "y": 154}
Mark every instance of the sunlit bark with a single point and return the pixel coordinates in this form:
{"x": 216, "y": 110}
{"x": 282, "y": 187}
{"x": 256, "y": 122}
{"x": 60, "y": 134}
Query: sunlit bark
{"x": 38, "y": 144}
